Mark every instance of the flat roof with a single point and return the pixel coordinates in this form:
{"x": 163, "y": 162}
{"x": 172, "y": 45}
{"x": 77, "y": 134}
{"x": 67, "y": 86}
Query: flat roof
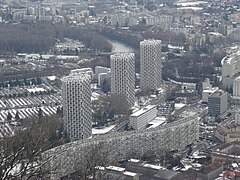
{"x": 157, "y": 122}
{"x": 127, "y": 173}
{"x": 115, "y": 168}
{"x": 153, "y": 166}
{"x": 142, "y": 110}
{"x": 134, "y": 160}
{"x": 103, "y": 130}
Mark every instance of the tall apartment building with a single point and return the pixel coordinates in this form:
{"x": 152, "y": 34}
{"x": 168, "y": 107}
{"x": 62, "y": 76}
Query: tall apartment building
{"x": 150, "y": 65}
{"x": 123, "y": 76}
{"x": 236, "y": 87}
{"x": 77, "y": 112}
{"x": 217, "y": 103}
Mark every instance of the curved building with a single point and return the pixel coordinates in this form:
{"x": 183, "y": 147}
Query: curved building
{"x": 125, "y": 145}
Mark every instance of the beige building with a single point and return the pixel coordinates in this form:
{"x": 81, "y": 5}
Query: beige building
{"x": 228, "y": 133}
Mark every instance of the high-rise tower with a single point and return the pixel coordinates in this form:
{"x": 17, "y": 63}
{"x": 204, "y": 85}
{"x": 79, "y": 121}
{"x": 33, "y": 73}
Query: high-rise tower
{"x": 150, "y": 65}
{"x": 77, "y": 111}
{"x": 123, "y": 76}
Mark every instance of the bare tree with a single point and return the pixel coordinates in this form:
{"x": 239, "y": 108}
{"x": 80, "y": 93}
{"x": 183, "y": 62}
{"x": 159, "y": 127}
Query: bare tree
{"x": 20, "y": 154}
{"x": 96, "y": 160}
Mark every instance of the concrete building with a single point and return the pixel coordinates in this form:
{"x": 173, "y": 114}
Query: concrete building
{"x": 101, "y": 69}
{"x": 228, "y": 133}
{"x": 236, "y": 87}
{"x": 102, "y": 77}
{"x": 230, "y": 67}
{"x": 142, "y": 117}
{"x": 77, "y": 112}
{"x": 124, "y": 145}
{"x": 123, "y": 76}
{"x": 217, "y": 103}
{"x": 78, "y": 72}
{"x": 208, "y": 92}
{"x": 206, "y": 84}
{"x": 227, "y": 152}
{"x": 150, "y": 65}
{"x": 237, "y": 115}
{"x": 210, "y": 171}
{"x": 119, "y": 20}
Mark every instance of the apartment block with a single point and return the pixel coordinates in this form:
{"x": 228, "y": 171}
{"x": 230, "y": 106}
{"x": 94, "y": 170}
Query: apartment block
{"x": 150, "y": 65}
{"x": 123, "y": 76}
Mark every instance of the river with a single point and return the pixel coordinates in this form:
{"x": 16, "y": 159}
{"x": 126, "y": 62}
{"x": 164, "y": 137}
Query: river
{"x": 118, "y": 47}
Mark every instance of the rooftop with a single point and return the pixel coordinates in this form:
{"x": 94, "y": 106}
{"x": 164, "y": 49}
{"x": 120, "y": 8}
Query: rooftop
{"x": 210, "y": 167}
{"x": 143, "y": 110}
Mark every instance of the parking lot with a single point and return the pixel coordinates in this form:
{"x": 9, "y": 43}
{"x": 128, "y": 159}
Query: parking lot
{"x": 30, "y": 101}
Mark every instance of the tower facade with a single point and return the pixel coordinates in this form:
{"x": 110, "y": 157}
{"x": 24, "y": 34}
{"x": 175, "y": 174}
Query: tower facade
{"x": 150, "y": 65}
{"x": 77, "y": 111}
{"x": 123, "y": 76}
{"x": 236, "y": 86}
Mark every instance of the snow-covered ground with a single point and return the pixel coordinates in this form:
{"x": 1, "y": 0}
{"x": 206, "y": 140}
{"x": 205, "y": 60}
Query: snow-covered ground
{"x": 29, "y": 101}
{"x": 103, "y": 130}
{"x": 157, "y": 122}
{"x": 27, "y": 112}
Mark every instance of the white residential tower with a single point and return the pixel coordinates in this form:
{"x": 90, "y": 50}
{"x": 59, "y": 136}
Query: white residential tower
{"x": 150, "y": 65}
{"x": 77, "y": 112}
{"x": 123, "y": 76}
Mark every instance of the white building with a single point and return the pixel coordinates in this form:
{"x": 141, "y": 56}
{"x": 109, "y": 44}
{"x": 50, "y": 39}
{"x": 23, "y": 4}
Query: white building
{"x": 237, "y": 115}
{"x": 125, "y": 145}
{"x": 77, "y": 111}
{"x": 142, "y": 117}
{"x": 206, "y": 84}
{"x": 123, "y": 76}
{"x": 150, "y": 65}
{"x": 101, "y": 69}
{"x": 208, "y": 92}
{"x": 236, "y": 87}
{"x": 77, "y": 72}
{"x": 230, "y": 67}
{"x": 102, "y": 77}
{"x": 119, "y": 20}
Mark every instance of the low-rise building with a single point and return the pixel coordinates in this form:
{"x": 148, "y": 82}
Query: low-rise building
{"x": 227, "y": 152}
{"x": 76, "y": 72}
{"x": 228, "y": 133}
{"x": 210, "y": 171}
{"x": 143, "y": 116}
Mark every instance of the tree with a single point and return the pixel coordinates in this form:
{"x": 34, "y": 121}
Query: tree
{"x": 105, "y": 20}
{"x": 40, "y": 113}
{"x": 9, "y": 116}
{"x": 98, "y": 156}
{"x": 106, "y": 85}
{"x": 17, "y": 117}
{"x": 20, "y": 154}
{"x": 109, "y": 105}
